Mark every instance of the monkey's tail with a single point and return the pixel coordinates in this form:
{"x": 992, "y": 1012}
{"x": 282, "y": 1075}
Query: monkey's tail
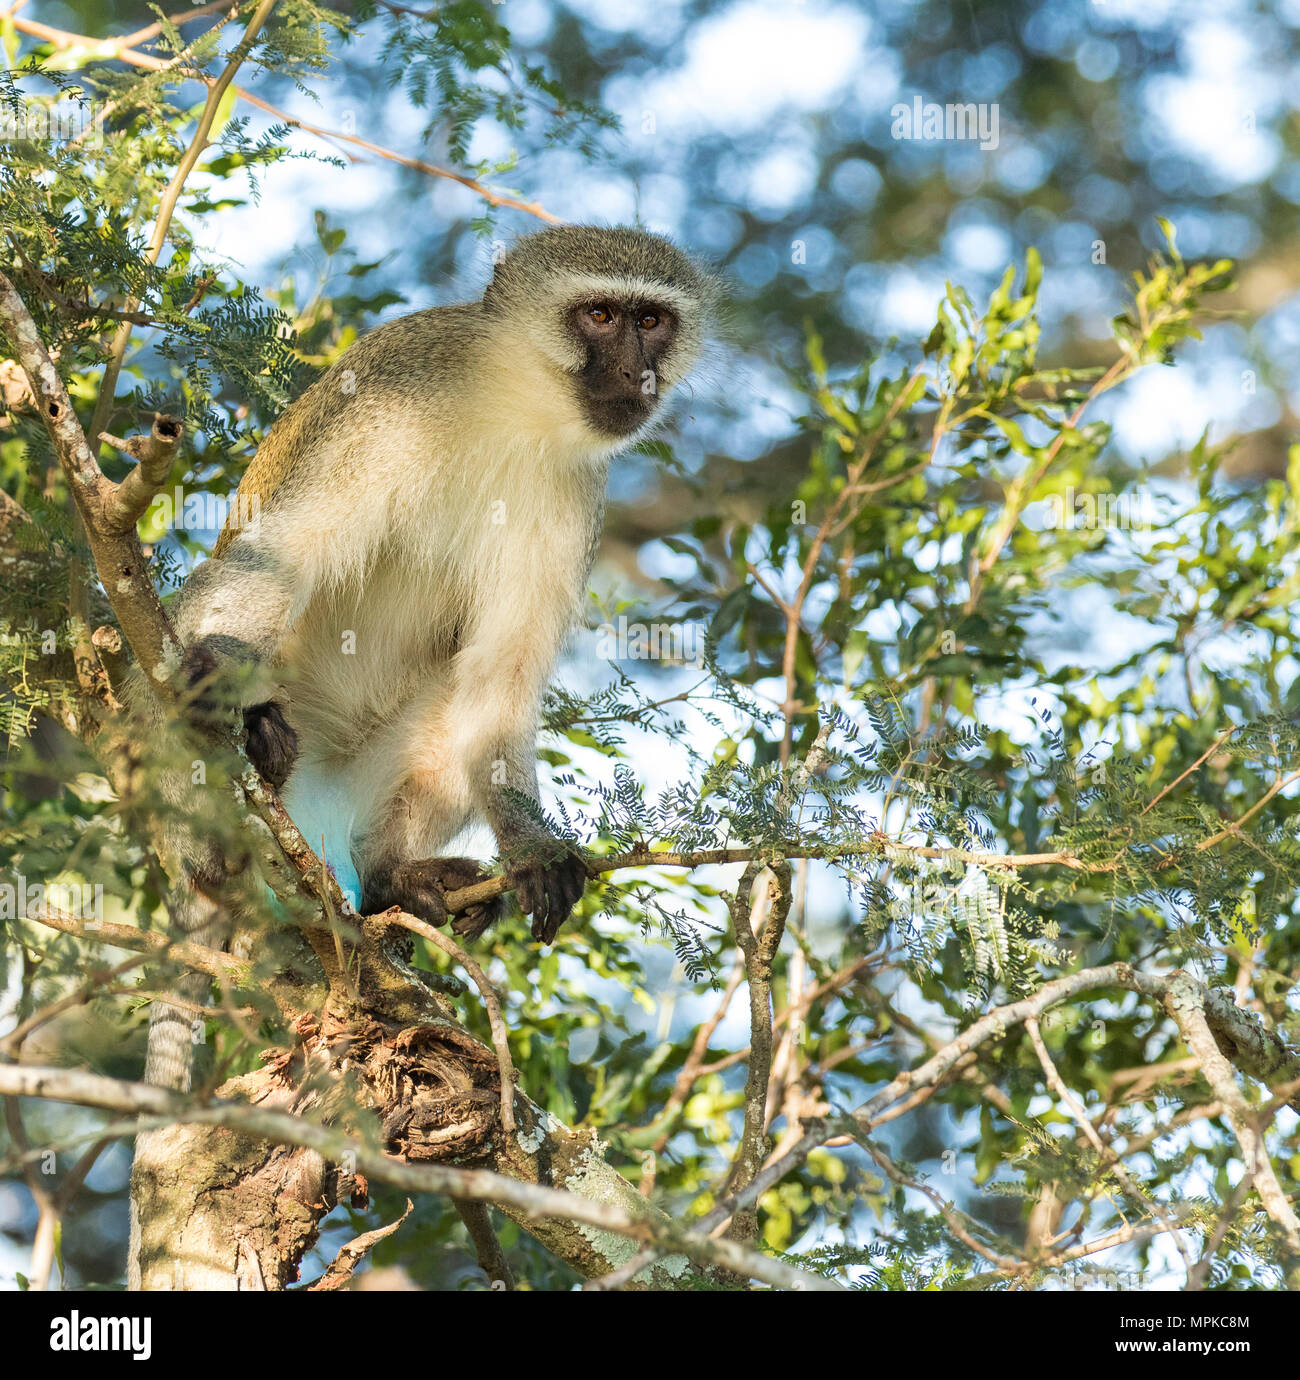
{"x": 174, "y": 1031}
{"x": 175, "y": 1035}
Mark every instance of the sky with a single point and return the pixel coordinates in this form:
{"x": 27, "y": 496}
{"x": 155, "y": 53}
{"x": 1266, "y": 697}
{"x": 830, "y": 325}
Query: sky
{"x": 773, "y": 65}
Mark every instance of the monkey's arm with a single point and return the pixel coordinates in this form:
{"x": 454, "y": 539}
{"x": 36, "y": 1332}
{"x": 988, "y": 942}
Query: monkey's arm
{"x": 235, "y": 609}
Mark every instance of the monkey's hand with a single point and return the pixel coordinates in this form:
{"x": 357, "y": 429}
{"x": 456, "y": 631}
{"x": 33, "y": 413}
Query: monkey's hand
{"x": 271, "y": 743}
{"x": 419, "y": 886}
{"x": 549, "y": 876}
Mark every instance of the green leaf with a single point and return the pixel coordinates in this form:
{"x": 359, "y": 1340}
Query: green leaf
{"x": 730, "y": 612}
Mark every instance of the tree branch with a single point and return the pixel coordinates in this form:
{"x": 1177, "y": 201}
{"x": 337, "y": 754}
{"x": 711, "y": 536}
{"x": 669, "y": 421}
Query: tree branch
{"x": 1185, "y": 1001}
{"x": 117, "y": 554}
{"x": 478, "y": 1185}
{"x": 995, "y": 1023}
{"x": 155, "y": 455}
{"x": 62, "y": 38}
{"x": 758, "y": 920}
{"x": 224, "y": 967}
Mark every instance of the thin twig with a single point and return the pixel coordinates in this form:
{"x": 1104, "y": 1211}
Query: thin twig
{"x": 64, "y": 39}
{"x": 151, "y": 31}
{"x": 477, "y": 1218}
{"x": 1107, "y": 1153}
{"x": 344, "y": 1264}
{"x": 1182, "y": 776}
{"x": 167, "y": 207}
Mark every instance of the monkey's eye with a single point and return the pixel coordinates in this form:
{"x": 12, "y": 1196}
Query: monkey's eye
{"x": 601, "y": 315}
{"x": 648, "y": 320}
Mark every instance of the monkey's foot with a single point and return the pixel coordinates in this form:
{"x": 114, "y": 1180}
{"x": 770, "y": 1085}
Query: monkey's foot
{"x": 272, "y": 744}
{"x": 549, "y": 877}
{"x": 419, "y": 887}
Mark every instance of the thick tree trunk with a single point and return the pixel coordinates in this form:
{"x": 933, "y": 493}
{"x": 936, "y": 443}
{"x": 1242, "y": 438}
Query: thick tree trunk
{"x": 212, "y": 1209}
{"x": 217, "y": 1209}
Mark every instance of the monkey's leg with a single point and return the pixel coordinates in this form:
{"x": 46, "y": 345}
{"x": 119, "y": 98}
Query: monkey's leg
{"x": 492, "y": 732}
{"x": 411, "y": 801}
{"x": 465, "y": 746}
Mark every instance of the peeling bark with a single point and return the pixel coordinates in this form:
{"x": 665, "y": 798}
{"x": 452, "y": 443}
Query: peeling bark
{"x": 216, "y": 1209}
{"x": 213, "y": 1209}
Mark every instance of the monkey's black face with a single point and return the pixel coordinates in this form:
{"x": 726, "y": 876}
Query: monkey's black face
{"x": 624, "y": 342}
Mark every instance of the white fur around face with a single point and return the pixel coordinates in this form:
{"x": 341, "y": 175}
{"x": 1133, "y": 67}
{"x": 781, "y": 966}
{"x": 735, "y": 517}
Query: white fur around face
{"x": 550, "y": 315}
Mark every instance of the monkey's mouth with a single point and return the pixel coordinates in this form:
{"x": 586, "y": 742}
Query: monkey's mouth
{"x": 621, "y": 414}
{"x": 618, "y": 413}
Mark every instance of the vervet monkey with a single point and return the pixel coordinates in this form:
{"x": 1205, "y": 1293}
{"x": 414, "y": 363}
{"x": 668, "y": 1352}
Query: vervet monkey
{"x": 427, "y": 515}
